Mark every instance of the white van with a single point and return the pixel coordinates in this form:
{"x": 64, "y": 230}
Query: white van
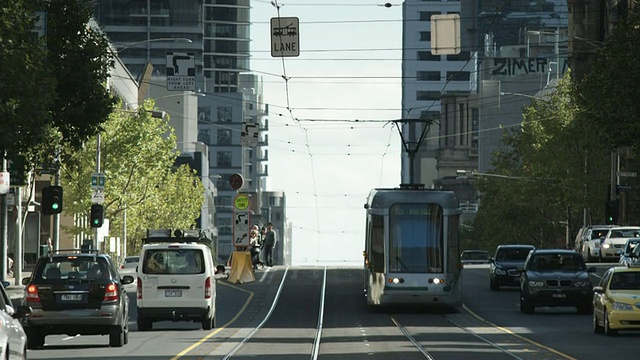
{"x": 176, "y": 282}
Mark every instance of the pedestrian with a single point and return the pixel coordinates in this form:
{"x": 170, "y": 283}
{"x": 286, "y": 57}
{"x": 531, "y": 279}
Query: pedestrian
{"x": 254, "y": 247}
{"x": 270, "y": 242}
{"x": 9, "y": 266}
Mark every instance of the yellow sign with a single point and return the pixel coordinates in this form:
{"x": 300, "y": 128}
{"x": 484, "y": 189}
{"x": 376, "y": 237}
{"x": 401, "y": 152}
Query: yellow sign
{"x": 241, "y": 202}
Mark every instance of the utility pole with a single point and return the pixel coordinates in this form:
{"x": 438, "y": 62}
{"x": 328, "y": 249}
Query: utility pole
{"x": 19, "y": 256}
{"x": 56, "y": 217}
{"x": 96, "y": 230}
{"x": 3, "y": 225}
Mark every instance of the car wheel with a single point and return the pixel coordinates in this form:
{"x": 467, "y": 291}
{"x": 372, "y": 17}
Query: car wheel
{"x": 144, "y": 324}
{"x": 597, "y": 328}
{"x": 607, "y": 326}
{"x": 116, "y": 336}
{"x": 126, "y": 333}
{"x": 526, "y": 307}
{"x": 208, "y": 322}
{"x": 494, "y": 285}
{"x": 35, "y": 341}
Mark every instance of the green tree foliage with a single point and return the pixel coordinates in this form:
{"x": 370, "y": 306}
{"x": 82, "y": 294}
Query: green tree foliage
{"x": 78, "y": 57}
{"x": 137, "y": 154}
{"x": 609, "y": 93}
{"x": 25, "y": 87}
{"x": 546, "y": 173}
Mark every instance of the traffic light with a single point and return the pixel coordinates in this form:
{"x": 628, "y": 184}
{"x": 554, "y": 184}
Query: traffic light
{"x": 611, "y": 212}
{"x": 97, "y": 215}
{"x": 51, "y": 200}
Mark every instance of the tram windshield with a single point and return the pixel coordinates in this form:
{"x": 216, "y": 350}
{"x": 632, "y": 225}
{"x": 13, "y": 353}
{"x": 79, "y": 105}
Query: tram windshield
{"x": 416, "y": 243}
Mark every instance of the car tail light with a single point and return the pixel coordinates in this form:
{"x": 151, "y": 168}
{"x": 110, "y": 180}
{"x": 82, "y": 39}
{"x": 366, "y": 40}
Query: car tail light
{"x": 207, "y": 288}
{"x": 121, "y": 266}
{"x": 31, "y": 293}
{"x": 111, "y": 293}
{"x": 139, "y": 289}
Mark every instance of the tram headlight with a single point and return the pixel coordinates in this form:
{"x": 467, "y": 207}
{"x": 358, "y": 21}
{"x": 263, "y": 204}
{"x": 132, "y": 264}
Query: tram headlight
{"x": 436, "y": 281}
{"x": 395, "y": 280}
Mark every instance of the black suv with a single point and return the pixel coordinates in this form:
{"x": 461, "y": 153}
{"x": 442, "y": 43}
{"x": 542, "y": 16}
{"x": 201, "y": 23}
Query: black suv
{"x": 555, "y": 277}
{"x": 503, "y": 270}
{"x": 76, "y": 292}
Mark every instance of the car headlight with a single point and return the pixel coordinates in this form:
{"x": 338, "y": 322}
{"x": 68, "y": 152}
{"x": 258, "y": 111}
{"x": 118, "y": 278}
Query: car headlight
{"x": 534, "y": 283}
{"x": 617, "y": 306}
{"x": 582, "y": 283}
{"x": 606, "y": 245}
{"x": 500, "y": 271}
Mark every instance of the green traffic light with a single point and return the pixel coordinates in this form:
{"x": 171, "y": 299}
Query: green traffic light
{"x": 54, "y": 206}
{"x": 96, "y": 221}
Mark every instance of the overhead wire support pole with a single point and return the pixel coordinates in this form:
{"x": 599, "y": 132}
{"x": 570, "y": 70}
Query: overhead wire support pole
{"x": 4, "y": 227}
{"x": 407, "y": 144}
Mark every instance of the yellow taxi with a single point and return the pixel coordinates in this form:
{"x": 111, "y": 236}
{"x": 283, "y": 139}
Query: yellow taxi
{"x": 616, "y": 300}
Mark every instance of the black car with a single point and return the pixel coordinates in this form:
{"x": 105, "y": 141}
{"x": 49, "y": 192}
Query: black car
{"x": 503, "y": 270}
{"x": 555, "y": 277}
{"x": 76, "y": 292}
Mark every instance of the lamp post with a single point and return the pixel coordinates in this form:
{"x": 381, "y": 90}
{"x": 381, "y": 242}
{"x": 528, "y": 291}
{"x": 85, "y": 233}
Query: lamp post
{"x": 148, "y": 43}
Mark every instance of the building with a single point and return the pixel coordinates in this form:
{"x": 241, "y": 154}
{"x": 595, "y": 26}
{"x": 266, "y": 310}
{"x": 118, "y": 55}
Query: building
{"x": 217, "y": 36}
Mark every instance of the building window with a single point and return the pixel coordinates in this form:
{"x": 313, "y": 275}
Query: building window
{"x": 224, "y": 137}
{"x": 225, "y": 114}
{"x": 278, "y": 217}
{"x": 461, "y": 129}
{"x": 425, "y": 35}
{"x": 458, "y": 75}
{"x": 426, "y": 15}
{"x": 428, "y": 75}
{"x": 475, "y": 127}
{"x": 463, "y": 56}
{"x": 427, "y": 95}
{"x": 223, "y": 201}
{"x": 427, "y": 56}
{"x": 224, "y": 159}
{"x": 204, "y": 136}
{"x": 204, "y": 115}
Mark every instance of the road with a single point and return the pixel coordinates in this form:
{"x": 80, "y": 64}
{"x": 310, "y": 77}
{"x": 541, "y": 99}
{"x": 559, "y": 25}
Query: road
{"x": 318, "y": 313}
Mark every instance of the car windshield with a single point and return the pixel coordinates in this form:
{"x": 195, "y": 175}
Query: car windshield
{"x": 598, "y": 233}
{"x": 625, "y": 281}
{"x": 618, "y": 233}
{"x": 73, "y": 268}
{"x": 555, "y": 262}
{"x": 513, "y": 254}
{"x": 173, "y": 261}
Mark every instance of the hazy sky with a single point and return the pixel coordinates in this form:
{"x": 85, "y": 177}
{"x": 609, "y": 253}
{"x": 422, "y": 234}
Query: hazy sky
{"x": 349, "y": 69}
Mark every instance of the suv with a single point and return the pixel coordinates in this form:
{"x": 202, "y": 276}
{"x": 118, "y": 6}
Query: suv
{"x": 76, "y": 292}
{"x": 176, "y": 280}
{"x": 555, "y": 277}
{"x": 503, "y": 266}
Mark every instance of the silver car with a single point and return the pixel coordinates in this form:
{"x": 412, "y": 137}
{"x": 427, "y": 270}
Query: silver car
{"x": 13, "y": 339}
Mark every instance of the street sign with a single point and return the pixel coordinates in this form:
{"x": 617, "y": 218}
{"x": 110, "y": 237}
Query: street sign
{"x": 249, "y": 134}
{"x": 627, "y": 174}
{"x": 285, "y": 36}
{"x": 5, "y": 183}
{"x": 97, "y": 181}
{"x": 241, "y": 228}
{"x": 97, "y": 197}
{"x": 241, "y": 202}
{"x": 181, "y": 71}
{"x": 445, "y": 34}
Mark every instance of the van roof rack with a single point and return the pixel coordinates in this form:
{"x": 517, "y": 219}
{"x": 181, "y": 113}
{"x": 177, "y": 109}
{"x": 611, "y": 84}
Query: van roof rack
{"x": 177, "y": 235}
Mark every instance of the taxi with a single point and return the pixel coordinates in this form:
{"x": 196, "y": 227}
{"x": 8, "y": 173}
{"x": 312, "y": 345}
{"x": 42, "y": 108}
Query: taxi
{"x": 616, "y": 300}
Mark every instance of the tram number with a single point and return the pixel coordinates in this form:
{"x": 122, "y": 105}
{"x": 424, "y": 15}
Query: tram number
{"x": 408, "y": 210}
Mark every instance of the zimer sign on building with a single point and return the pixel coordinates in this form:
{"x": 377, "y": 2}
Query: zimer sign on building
{"x": 285, "y": 36}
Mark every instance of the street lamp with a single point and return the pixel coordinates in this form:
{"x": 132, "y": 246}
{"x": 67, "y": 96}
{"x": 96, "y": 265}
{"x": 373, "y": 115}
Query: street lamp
{"x": 148, "y": 43}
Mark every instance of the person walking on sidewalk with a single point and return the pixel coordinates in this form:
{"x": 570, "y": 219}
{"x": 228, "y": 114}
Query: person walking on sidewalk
{"x": 269, "y": 244}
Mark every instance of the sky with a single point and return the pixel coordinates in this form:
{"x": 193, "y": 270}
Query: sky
{"x": 330, "y": 140}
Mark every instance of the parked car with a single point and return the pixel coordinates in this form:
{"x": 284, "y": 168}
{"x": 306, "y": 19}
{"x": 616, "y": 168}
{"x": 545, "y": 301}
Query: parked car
{"x": 626, "y": 256}
{"x": 503, "y": 269}
{"x": 555, "y": 277}
{"x": 615, "y": 300}
{"x": 589, "y": 241}
{"x": 76, "y": 292}
{"x": 13, "y": 339}
{"x": 615, "y": 239}
{"x": 474, "y": 257}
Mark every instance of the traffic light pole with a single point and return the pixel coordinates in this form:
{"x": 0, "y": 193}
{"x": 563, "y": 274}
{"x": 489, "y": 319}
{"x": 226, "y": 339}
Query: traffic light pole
{"x": 56, "y": 217}
{"x": 18, "y": 258}
{"x": 4, "y": 233}
{"x": 96, "y": 230}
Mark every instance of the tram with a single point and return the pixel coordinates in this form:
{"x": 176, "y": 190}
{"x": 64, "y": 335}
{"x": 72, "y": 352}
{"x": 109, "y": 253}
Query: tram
{"x": 412, "y": 248}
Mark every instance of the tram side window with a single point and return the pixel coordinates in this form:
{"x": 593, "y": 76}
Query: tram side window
{"x": 453, "y": 241}
{"x": 377, "y": 243}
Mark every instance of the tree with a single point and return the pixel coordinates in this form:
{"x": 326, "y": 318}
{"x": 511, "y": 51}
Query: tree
{"x": 25, "y": 86}
{"x": 609, "y": 93}
{"x": 545, "y": 171}
{"x": 137, "y": 157}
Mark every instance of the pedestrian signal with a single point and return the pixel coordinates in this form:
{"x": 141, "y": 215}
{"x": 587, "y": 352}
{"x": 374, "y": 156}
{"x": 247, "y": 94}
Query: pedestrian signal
{"x": 52, "y": 200}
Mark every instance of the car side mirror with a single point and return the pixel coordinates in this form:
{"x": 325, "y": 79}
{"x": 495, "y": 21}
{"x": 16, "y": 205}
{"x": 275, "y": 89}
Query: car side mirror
{"x": 127, "y": 279}
{"x": 598, "y": 289}
{"x": 25, "y": 281}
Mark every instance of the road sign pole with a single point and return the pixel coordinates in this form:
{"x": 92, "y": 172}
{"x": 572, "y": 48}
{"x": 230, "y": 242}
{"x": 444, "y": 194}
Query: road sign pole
{"x": 96, "y": 230}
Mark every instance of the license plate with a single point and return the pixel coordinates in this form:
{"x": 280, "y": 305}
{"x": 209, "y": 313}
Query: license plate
{"x": 559, "y": 296}
{"x": 173, "y": 293}
{"x": 71, "y": 297}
